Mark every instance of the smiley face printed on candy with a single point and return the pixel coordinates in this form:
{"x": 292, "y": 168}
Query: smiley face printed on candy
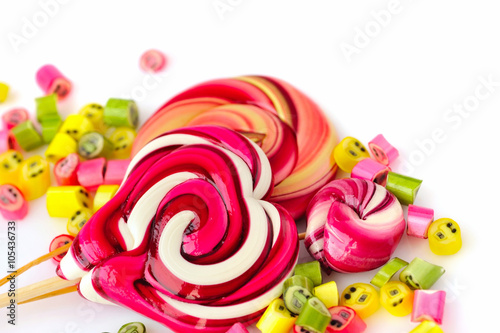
{"x": 78, "y": 220}
{"x": 76, "y": 125}
{"x": 361, "y": 297}
{"x": 349, "y": 152}
{"x": 95, "y": 113}
{"x": 397, "y": 298}
{"x": 444, "y": 236}
{"x": 420, "y": 274}
{"x": 13, "y": 206}
{"x": 122, "y": 139}
{"x": 34, "y": 177}
{"x": 9, "y": 166}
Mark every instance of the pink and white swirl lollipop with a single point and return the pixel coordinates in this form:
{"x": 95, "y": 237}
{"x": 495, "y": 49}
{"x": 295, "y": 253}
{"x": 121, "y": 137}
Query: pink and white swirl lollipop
{"x": 189, "y": 240}
{"x": 353, "y": 225}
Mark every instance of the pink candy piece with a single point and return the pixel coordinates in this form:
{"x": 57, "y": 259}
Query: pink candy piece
{"x": 428, "y": 305}
{"x": 371, "y": 170}
{"x": 345, "y": 320}
{"x": 13, "y": 206}
{"x": 238, "y": 328}
{"x": 14, "y": 117}
{"x": 153, "y": 61}
{"x": 52, "y": 81}
{"x": 115, "y": 171}
{"x": 5, "y": 141}
{"x": 419, "y": 219}
{"x": 382, "y": 150}
{"x": 65, "y": 170}
{"x": 91, "y": 173}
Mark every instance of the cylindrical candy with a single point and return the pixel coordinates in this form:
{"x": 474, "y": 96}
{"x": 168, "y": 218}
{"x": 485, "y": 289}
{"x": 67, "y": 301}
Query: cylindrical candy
{"x": 46, "y": 106}
{"x": 93, "y": 145}
{"x": 288, "y": 123}
{"x": 427, "y": 326}
{"x": 58, "y": 242}
{"x": 403, "y": 187}
{"x": 76, "y": 125}
{"x": 327, "y": 293}
{"x": 14, "y": 117}
{"x": 397, "y": 298}
{"x": 91, "y": 173}
{"x": 121, "y": 112}
{"x": 4, "y": 91}
{"x": 276, "y": 318}
{"x": 77, "y": 220}
{"x": 61, "y": 146}
{"x": 296, "y": 291}
{"x": 34, "y": 177}
{"x": 152, "y": 61}
{"x": 361, "y": 297}
{"x": 388, "y": 271}
{"x": 103, "y": 194}
{"x": 50, "y": 127}
{"x": 6, "y": 139}
{"x": 313, "y": 318}
{"x": 349, "y": 152}
{"x": 445, "y": 237}
{"x": 428, "y": 305}
{"x": 355, "y": 217}
{"x": 13, "y": 206}
{"x": 65, "y": 170}
{"x": 371, "y": 170}
{"x": 52, "y": 81}
{"x": 115, "y": 171}
{"x": 189, "y": 235}
{"x": 382, "y": 150}
{"x": 122, "y": 139}
{"x": 95, "y": 113}
{"x": 420, "y": 274}
{"x": 419, "y": 220}
{"x": 63, "y": 201}
{"x": 27, "y": 136}
{"x": 345, "y": 320}
{"x": 311, "y": 270}
{"x": 10, "y": 162}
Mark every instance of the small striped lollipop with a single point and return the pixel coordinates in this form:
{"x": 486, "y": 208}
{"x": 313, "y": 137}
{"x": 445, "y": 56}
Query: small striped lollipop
{"x": 189, "y": 239}
{"x": 353, "y": 225}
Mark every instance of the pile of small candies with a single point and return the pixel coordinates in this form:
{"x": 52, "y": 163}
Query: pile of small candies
{"x": 90, "y": 151}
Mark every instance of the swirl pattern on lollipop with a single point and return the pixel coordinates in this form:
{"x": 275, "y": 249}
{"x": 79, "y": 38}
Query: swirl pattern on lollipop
{"x": 189, "y": 240}
{"x": 353, "y": 225}
{"x": 291, "y": 129}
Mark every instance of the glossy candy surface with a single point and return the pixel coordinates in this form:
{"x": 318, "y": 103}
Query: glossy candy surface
{"x": 14, "y": 117}
{"x": 189, "y": 231}
{"x": 345, "y": 320}
{"x": 382, "y": 150}
{"x": 403, "y": 187}
{"x": 276, "y": 318}
{"x": 121, "y": 112}
{"x": 77, "y": 220}
{"x": 397, "y": 298}
{"x": 361, "y": 297}
{"x": 388, "y": 271}
{"x": 311, "y": 270}
{"x": 313, "y": 318}
{"x": 103, "y": 194}
{"x": 63, "y": 201}
{"x": 27, "y": 136}
{"x": 58, "y": 242}
{"x": 13, "y": 206}
{"x": 285, "y": 123}
{"x": 95, "y": 113}
{"x": 61, "y": 146}
{"x": 153, "y": 61}
{"x": 445, "y": 237}
{"x": 420, "y": 274}
{"x": 419, "y": 220}
{"x": 296, "y": 291}
{"x": 10, "y": 162}
{"x": 428, "y": 305}
{"x": 34, "y": 177}
{"x": 65, "y": 170}
{"x": 52, "y": 81}
{"x": 371, "y": 170}
{"x": 122, "y": 139}
{"x": 353, "y": 225}
{"x": 349, "y": 152}
{"x": 91, "y": 173}
{"x": 327, "y": 293}
{"x": 115, "y": 171}
{"x": 76, "y": 125}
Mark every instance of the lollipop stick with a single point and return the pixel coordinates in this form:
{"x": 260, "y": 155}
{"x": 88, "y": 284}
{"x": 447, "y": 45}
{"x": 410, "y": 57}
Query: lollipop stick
{"x": 35, "y": 262}
{"x": 302, "y": 235}
{"x": 62, "y": 291}
{"x": 49, "y": 287}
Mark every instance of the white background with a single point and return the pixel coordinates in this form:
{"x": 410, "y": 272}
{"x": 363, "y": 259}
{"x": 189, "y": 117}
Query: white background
{"x": 404, "y": 79}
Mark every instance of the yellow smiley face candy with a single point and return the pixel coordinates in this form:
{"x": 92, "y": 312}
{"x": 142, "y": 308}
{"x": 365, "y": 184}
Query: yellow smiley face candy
{"x": 444, "y": 236}
{"x": 349, "y": 152}
{"x": 397, "y": 298}
{"x": 361, "y": 297}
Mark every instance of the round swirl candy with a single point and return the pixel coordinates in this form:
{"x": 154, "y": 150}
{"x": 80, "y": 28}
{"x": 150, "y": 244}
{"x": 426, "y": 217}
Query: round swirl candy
{"x": 353, "y": 225}
{"x": 291, "y": 129}
{"x": 189, "y": 239}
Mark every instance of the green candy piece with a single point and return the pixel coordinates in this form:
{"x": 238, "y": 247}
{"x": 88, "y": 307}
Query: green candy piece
{"x": 314, "y": 316}
{"x": 94, "y": 144}
{"x": 296, "y": 291}
{"x": 420, "y": 274}
{"x": 50, "y": 126}
{"x": 134, "y": 327}
{"x": 387, "y": 271}
{"x": 121, "y": 112}
{"x": 403, "y": 187}
{"x": 46, "y": 106}
{"x": 312, "y": 270}
{"x": 27, "y": 136}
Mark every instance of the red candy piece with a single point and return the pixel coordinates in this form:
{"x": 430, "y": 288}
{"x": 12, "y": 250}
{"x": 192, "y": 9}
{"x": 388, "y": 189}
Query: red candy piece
{"x": 345, "y": 320}
{"x": 65, "y": 170}
{"x": 91, "y": 173}
{"x": 52, "y": 81}
{"x": 59, "y": 241}
{"x": 115, "y": 171}
{"x": 371, "y": 170}
{"x": 14, "y": 117}
{"x": 153, "y": 61}
{"x": 13, "y": 206}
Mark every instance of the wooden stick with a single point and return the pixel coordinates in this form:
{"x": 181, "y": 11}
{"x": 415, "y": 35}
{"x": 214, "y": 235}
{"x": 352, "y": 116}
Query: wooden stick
{"x": 35, "y": 262}
{"x": 302, "y": 235}
{"x": 49, "y": 287}
{"x": 62, "y": 291}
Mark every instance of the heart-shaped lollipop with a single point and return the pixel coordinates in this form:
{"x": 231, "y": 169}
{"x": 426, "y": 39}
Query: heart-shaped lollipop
{"x": 291, "y": 129}
{"x": 189, "y": 240}
{"x": 353, "y": 225}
